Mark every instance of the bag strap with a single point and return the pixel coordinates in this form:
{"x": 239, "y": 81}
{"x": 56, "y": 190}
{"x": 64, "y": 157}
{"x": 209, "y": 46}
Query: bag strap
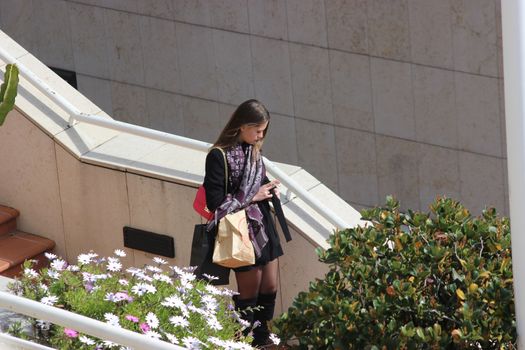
{"x": 225, "y": 170}
{"x": 280, "y": 216}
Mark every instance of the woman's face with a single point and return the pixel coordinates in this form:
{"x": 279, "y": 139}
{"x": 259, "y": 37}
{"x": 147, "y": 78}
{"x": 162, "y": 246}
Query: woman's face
{"x": 252, "y": 133}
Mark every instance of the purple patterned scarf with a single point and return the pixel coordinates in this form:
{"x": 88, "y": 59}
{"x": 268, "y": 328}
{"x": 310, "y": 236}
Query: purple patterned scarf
{"x": 245, "y": 178}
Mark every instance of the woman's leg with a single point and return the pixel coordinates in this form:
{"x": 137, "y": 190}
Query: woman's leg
{"x": 248, "y": 283}
{"x": 265, "y": 303}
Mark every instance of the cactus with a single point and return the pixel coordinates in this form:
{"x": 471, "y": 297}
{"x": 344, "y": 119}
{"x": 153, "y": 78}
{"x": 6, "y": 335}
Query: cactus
{"x": 8, "y": 91}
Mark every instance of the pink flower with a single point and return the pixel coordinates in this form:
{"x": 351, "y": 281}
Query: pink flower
{"x": 144, "y": 327}
{"x": 132, "y": 318}
{"x": 70, "y": 333}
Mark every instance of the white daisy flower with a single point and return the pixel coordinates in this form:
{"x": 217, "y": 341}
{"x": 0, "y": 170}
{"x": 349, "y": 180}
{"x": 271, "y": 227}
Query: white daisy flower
{"x": 153, "y": 334}
{"x": 143, "y": 277}
{"x": 50, "y": 256}
{"x": 73, "y": 268}
{"x": 173, "y": 301}
{"x": 84, "y": 259}
{"x": 153, "y": 269}
{"x": 123, "y": 282}
{"x": 197, "y": 310}
{"x": 275, "y": 339}
{"x": 43, "y": 287}
{"x": 210, "y": 303}
{"x": 210, "y": 277}
{"x": 159, "y": 261}
{"x": 173, "y": 339}
{"x": 213, "y": 290}
{"x": 112, "y": 319}
{"x": 142, "y": 288}
{"x": 30, "y": 273}
{"x": 114, "y": 266}
{"x": 85, "y": 340}
{"x": 110, "y": 344}
{"x": 214, "y": 323}
{"x": 53, "y": 274}
{"x": 134, "y": 271}
{"x": 88, "y": 277}
{"x": 186, "y": 276}
{"x": 192, "y": 343}
{"x": 120, "y": 252}
{"x": 101, "y": 276}
{"x": 163, "y": 278}
{"x": 244, "y": 323}
{"x": 49, "y": 300}
{"x": 179, "y": 321}
{"x": 58, "y": 264}
{"x": 152, "y": 320}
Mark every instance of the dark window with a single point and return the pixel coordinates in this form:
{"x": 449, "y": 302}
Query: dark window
{"x": 67, "y": 75}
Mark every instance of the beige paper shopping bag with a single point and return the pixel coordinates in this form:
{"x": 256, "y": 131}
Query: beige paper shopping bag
{"x": 233, "y": 247}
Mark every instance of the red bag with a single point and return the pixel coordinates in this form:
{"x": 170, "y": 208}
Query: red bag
{"x": 199, "y": 204}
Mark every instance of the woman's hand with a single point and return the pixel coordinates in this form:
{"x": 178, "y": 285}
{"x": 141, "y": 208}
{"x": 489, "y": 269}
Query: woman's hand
{"x": 265, "y": 191}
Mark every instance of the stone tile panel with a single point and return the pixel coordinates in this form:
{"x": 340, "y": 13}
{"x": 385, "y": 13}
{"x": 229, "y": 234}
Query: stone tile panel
{"x": 475, "y": 36}
{"x": 311, "y": 83}
{"x": 196, "y": 61}
{"x": 268, "y": 18}
{"x": 351, "y": 90}
{"x": 393, "y": 98}
{"x": 388, "y": 29}
{"x": 272, "y": 74}
{"x": 356, "y": 158}
{"x": 124, "y": 45}
{"x": 89, "y": 40}
{"x": 307, "y": 22}
{"x": 229, "y": 15}
{"x": 233, "y": 66}
{"x": 479, "y": 123}
{"x": 438, "y": 174}
{"x": 431, "y": 32}
{"x": 347, "y": 25}
{"x": 397, "y": 170}
{"x": 316, "y": 150}
{"x": 129, "y": 104}
{"x": 481, "y": 181}
{"x": 159, "y": 49}
{"x": 435, "y": 106}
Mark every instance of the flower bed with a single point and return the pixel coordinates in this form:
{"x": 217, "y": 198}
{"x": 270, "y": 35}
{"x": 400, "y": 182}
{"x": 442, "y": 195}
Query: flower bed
{"x": 160, "y": 301}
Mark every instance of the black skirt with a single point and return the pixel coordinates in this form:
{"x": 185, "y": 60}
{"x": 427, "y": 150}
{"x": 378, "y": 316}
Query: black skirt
{"x": 272, "y": 250}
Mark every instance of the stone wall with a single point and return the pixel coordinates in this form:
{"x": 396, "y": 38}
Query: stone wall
{"x": 371, "y": 96}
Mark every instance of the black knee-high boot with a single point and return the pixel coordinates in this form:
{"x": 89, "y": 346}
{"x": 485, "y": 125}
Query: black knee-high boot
{"x": 263, "y": 314}
{"x": 245, "y": 309}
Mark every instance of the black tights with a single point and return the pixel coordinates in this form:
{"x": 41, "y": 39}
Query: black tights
{"x": 257, "y": 288}
{"x": 260, "y": 280}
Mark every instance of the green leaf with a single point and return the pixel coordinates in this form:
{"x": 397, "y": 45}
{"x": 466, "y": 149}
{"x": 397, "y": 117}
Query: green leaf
{"x": 8, "y": 91}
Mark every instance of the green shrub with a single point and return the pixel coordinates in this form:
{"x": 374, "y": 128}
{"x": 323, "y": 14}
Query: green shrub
{"x": 438, "y": 280}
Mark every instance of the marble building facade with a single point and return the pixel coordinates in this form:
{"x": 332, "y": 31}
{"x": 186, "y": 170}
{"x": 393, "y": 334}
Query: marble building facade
{"x": 373, "y": 97}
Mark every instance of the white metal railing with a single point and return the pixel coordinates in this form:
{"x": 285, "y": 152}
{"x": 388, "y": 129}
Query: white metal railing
{"x": 75, "y": 114}
{"x": 18, "y": 343}
{"x": 82, "y": 324}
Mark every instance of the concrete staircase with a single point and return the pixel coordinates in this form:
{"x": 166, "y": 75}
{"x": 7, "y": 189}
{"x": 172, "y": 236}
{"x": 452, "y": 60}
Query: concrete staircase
{"x": 17, "y": 246}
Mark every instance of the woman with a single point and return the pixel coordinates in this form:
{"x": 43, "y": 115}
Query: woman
{"x": 248, "y": 188}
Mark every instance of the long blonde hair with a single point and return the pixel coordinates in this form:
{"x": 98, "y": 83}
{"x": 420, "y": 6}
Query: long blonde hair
{"x": 250, "y": 113}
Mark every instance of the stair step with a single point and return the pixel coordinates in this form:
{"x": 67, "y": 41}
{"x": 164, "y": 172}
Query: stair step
{"x": 7, "y": 219}
{"x": 19, "y": 246}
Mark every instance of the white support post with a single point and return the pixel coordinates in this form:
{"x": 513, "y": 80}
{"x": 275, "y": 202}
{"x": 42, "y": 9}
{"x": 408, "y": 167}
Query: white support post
{"x": 513, "y": 23}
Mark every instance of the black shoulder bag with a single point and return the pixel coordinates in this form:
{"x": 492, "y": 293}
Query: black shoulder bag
{"x": 202, "y": 248}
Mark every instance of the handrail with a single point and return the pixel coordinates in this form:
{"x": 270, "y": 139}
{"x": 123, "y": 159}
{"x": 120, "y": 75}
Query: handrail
{"x": 75, "y": 114}
{"x": 82, "y": 324}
